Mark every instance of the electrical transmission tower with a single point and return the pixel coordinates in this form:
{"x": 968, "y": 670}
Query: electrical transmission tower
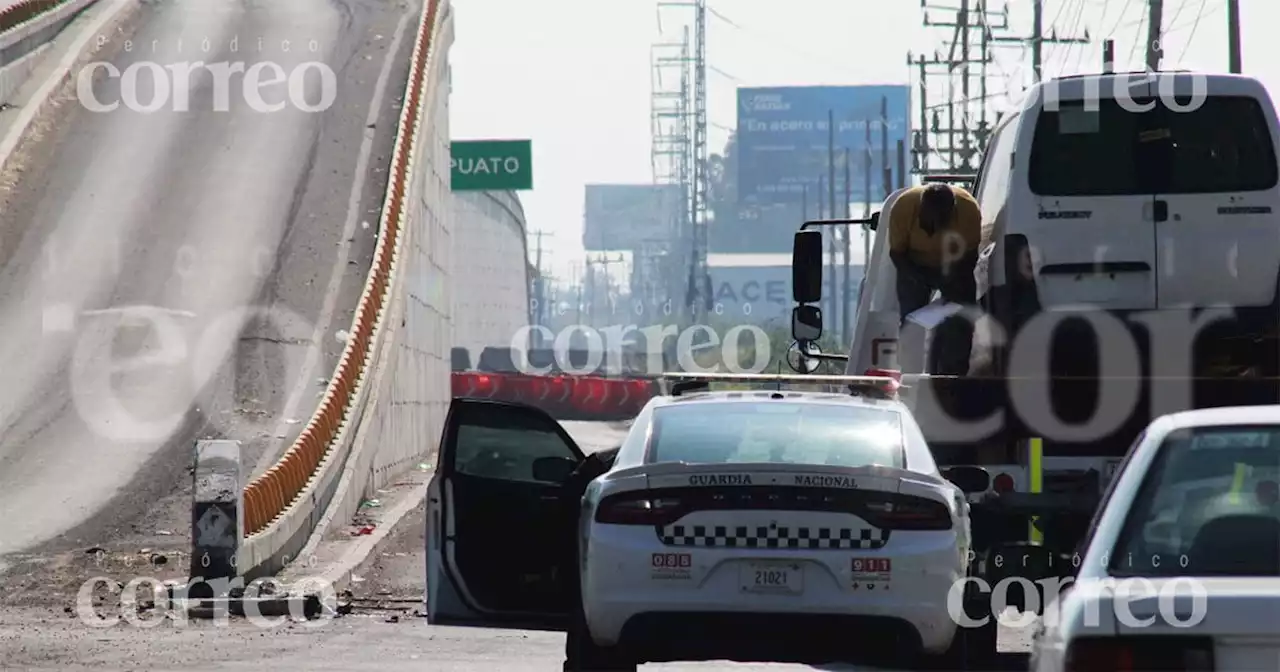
{"x": 680, "y": 147}
{"x": 671, "y": 160}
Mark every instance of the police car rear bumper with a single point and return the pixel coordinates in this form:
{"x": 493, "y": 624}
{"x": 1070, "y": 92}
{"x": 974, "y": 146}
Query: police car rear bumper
{"x": 623, "y": 581}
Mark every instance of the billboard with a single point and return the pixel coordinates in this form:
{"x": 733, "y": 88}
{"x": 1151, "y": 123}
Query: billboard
{"x": 783, "y": 140}
{"x": 625, "y": 216}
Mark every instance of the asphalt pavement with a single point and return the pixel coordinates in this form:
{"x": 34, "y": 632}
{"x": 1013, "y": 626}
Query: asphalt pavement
{"x": 385, "y": 632}
{"x": 183, "y": 273}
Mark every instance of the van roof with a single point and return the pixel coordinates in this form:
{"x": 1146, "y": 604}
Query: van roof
{"x": 1077, "y": 87}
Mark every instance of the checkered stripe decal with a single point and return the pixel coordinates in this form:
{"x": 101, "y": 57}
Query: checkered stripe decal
{"x": 723, "y": 536}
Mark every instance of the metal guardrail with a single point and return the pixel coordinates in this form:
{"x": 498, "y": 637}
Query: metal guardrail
{"x": 270, "y": 495}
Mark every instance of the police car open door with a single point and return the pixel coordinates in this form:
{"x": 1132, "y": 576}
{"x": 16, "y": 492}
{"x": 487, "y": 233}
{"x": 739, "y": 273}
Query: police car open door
{"x": 497, "y": 523}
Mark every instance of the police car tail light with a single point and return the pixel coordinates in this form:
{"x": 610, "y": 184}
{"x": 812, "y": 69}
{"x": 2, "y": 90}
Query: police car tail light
{"x": 905, "y": 512}
{"x": 1150, "y": 652}
{"x": 1002, "y": 483}
{"x": 639, "y": 508}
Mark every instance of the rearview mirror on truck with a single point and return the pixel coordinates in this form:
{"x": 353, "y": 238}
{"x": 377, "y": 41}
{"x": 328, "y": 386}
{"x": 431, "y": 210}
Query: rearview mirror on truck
{"x": 806, "y": 323}
{"x": 806, "y": 267}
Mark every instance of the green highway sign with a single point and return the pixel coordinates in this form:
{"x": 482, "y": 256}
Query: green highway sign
{"x": 491, "y": 165}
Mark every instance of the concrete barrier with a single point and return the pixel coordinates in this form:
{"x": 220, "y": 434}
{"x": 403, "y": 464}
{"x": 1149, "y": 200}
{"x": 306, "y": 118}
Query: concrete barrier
{"x": 26, "y": 28}
{"x": 285, "y": 505}
{"x": 26, "y": 31}
{"x": 492, "y": 288}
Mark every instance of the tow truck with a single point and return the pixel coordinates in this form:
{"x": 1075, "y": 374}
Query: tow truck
{"x": 1032, "y": 495}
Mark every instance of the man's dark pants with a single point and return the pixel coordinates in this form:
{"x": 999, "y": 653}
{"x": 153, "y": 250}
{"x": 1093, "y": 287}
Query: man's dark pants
{"x": 953, "y": 339}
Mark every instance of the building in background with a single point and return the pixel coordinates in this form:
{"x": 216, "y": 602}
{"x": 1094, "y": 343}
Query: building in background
{"x": 641, "y": 221}
{"x": 488, "y": 233}
{"x": 756, "y": 289}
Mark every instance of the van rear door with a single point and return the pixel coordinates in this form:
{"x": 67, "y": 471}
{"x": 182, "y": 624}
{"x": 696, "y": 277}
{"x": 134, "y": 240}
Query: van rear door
{"x": 1093, "y": 237}
{"x": 1218, "y": 239}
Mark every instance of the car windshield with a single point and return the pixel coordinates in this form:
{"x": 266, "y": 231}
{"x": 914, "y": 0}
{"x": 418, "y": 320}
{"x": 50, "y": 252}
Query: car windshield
{"x": 1104, "y": 149}
{"x": 1207, "y": 507}
{"x": 777, "y": 432}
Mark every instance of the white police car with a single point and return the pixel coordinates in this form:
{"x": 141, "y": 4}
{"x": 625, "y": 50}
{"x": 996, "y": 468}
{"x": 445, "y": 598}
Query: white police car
{"x": 749, "y": 525}
{"x": 1182, "y": 563}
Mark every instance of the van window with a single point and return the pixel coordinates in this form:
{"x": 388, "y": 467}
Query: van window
{"x": 993, "y": 186}
{"x": 1224, "y": 145}
{"x": 1081, "y": 152}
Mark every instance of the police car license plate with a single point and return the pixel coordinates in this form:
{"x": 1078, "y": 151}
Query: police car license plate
{"x": 772, "y": 577}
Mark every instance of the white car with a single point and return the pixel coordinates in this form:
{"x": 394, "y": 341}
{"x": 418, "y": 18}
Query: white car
{"x": 1182, "y": 565}
{"x": 729, "y": 521}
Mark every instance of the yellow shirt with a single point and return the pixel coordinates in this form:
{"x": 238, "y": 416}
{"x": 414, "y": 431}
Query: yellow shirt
{"x": 962, "y": 236}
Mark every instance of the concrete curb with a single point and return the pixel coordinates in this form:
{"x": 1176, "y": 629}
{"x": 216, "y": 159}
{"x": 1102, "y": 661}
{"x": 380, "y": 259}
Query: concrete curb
{"x": 339, "y": 573}
{"x": 40, "y": 28}
{"x": 16, "y": 73}
{"x": 112, "y": 13}
{"x": 350, "y": 488}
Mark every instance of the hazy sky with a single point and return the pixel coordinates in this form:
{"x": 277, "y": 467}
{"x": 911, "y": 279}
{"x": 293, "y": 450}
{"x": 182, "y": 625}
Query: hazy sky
{"x": 575, "y": 75}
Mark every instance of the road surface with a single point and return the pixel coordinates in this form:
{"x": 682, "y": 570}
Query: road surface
{"x": 125, "y": 224}
{"x": 385, "y": 632}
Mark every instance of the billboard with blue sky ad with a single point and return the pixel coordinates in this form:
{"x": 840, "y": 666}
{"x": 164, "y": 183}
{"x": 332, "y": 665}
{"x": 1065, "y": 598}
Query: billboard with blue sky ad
{"x": 783, "y": 139}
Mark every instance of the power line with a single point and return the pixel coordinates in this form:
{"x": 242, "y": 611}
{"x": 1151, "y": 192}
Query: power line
{"x": 1133, "y": 50}
{"x": 1123, "y": 10}
{"x": 1080, "y": 51}
{"x": 781, "y": 43}
{"x": 1191, "y": 38}
{"x": 1182, "y": 5}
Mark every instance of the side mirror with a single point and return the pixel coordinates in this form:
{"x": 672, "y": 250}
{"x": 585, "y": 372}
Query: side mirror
{"x": 801, "y": 357}
{"x": 806, "y": 323}
{"x": 875, "y": 221}
{"x": 969, "y": 479}
{"x": 806, "y": 267}
{"x": 553, "y": 469}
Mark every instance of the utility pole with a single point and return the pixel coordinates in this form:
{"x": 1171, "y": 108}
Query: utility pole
{"x": 1233, "y": 37}
{"x": 1037, "y": 39}
{"x": 845, "y": 334}
{"x": 539, "y": 286}
{"x": 959, "y": 141}
{"x": 823, "y": 213}
{"x": 1155, "y": 30}
{"x": 885, "y": 167}
{"x": 576, "y": 281}
{"x": 836, "y": 307}
{"x": 866, "y": 193}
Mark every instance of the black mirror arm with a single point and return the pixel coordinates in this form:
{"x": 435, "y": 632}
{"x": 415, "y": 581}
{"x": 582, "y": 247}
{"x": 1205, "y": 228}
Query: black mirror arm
{"x": 865, "y": 221}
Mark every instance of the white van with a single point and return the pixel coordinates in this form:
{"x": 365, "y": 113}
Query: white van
{"x": 1136, "y": 192}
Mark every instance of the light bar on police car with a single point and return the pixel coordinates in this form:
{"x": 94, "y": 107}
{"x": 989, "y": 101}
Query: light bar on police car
{"x": 876, "y": 382}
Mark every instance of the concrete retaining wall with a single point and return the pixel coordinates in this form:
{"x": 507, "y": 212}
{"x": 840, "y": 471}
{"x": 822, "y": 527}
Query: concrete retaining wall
{"x": 491, "y": 280}
{"x": 413, "y": 391}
